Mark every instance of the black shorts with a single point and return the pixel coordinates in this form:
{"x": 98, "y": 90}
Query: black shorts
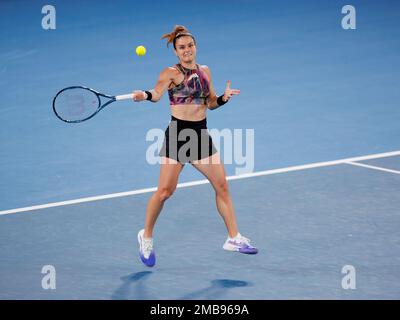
{"x": 186, "y": 141}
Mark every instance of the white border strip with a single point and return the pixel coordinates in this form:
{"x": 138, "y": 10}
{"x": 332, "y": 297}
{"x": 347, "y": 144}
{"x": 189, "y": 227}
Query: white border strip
{"x": 372, "y": 167}
{"x": 199, "y": 182}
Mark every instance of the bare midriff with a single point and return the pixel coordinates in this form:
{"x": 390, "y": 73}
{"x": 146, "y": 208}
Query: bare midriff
{"x": 189, "y": 112}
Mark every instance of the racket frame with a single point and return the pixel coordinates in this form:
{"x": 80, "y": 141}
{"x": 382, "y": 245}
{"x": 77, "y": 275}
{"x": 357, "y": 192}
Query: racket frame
{"x": 98, "y": 95}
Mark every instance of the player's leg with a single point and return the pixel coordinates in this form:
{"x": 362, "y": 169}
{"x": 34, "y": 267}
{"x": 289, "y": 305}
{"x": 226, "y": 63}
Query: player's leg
{"x": 169, "y": 174}
{"x": 213, "y": 169}
{"x": 168, "y": 180}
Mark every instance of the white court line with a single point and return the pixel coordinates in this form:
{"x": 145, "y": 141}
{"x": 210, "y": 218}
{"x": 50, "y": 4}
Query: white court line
{"x": 199, "y": 182}
{"x": 373, "y": 167}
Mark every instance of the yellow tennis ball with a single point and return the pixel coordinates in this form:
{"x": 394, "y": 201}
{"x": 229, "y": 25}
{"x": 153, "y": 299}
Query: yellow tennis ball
{"x": 140, "y": 51}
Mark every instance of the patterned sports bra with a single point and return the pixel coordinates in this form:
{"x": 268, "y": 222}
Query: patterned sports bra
{"x": 194, "y": 89}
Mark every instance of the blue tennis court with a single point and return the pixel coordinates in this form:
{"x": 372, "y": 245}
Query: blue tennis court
{"x": 319, "y": 193}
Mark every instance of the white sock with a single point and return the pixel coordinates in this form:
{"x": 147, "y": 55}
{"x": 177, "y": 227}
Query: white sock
{"x": 235, "y": 237}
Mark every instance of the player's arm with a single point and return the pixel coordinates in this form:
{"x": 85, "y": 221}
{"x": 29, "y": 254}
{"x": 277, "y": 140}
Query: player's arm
{"x": 153, "y": 95}
{"x": 212, "y": 97}
{"x": 214, "y": 101}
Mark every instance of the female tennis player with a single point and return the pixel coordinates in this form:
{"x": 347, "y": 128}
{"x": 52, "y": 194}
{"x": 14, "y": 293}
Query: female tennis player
{"x": 187, "y": 140}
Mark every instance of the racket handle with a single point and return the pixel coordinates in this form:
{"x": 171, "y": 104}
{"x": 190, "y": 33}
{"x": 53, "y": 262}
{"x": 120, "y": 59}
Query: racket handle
{"x": 124, "y": 96}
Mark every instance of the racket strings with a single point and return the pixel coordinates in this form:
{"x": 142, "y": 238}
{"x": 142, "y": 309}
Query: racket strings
{"x": 76, "y": 104}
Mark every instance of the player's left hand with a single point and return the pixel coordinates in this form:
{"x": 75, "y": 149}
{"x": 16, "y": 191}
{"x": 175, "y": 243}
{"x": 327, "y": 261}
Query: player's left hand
{"x": 229, "y": 92}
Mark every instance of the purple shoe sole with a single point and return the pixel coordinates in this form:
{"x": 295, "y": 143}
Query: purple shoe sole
{"x": 151, "y": 261}
{"x": 248, "y": 250}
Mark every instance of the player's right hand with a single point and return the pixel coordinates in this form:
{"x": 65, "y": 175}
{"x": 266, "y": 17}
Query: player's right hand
{"x": 139, "y": 95}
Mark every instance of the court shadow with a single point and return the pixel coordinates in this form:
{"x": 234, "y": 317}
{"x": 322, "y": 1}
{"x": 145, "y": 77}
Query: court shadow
{"x": 135, "y": 281}
{"x": 216, "y": 290}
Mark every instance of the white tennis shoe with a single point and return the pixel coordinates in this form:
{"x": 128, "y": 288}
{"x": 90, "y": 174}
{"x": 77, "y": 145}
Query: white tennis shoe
{"x": 146, "y": 251}
{"x": 240, "y": 244}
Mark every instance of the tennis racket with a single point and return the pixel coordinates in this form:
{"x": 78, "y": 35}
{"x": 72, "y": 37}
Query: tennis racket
{"x": 77, "y": 104}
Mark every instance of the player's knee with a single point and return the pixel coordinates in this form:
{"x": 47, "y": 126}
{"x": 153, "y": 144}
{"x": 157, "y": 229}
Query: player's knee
{"x": 165, "y": 192}
{"x": 222, "y": 188}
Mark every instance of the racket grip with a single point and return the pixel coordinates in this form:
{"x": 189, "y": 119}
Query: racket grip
{"x": 124, "y": 96}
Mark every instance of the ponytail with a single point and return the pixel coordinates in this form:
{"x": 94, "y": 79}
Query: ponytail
{"x": 179, "y": 31}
